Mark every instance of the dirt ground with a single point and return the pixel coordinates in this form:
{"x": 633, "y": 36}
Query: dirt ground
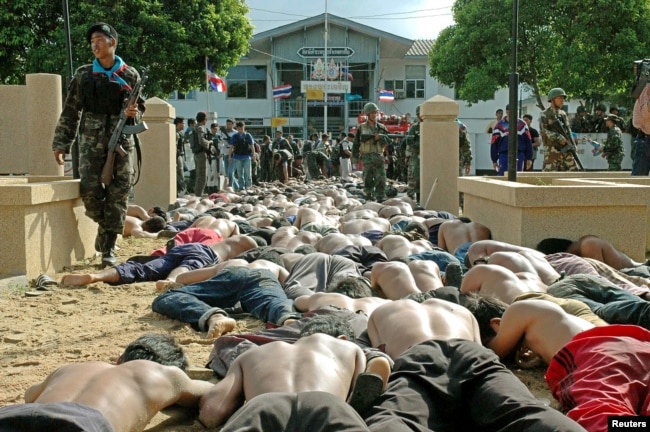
{"x": 69, "y": 325}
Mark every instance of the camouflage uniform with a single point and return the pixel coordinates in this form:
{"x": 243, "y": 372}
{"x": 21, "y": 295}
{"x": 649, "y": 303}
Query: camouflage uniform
{"x": 413, "y": 155}
{"x": 581, "y": 124}
{"x": 465, "y": 149}
{"x": 400, "y": 164}
{"x": 551, "y": 122}
{"x": 104, "y": 205}
{"x": 371, "y": 151}
{"x": 613, "y": 149}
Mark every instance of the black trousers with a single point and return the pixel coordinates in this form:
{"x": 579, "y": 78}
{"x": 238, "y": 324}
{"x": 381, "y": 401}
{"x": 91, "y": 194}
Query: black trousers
{"x": 459, "y": 385}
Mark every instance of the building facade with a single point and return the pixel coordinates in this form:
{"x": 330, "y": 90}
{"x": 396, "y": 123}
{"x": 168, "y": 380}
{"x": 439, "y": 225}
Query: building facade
{"x": 324, "y": 82}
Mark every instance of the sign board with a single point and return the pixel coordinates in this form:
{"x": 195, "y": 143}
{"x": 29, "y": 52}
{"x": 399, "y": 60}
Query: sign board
{"x": 278, "y": 121}
{"x": 315, "y": 94}
{"x": 332, "y": 86}
{"x": 313, "y": 52}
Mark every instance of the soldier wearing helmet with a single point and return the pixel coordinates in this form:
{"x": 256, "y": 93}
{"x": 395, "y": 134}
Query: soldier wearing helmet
{"x": 368, "y": 145}
{"x": 413, "y": 155}
{"x": 581, "y": 123}
{"x": 612, "y": 149}
{"x": 598, "y": 122}
{"x": 556, "y": 135}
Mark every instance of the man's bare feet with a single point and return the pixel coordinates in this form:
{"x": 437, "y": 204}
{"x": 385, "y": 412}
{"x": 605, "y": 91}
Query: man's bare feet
{"x": 166, "y": 285}
{"x": 289, "y": 321}
{"x": 77, "y": 279}
{"x": 219, "y": 324}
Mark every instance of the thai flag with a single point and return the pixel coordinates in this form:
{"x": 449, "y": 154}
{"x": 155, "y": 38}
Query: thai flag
{"x": 386, "y": 96}
{"x": 282, "y": 92}
{"x": 345, "y": 73}
{"x": 216, "y": 83}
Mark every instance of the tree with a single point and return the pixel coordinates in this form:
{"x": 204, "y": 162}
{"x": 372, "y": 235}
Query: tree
{"x": 587, "y": 47}
{"x": 170, "y": 37}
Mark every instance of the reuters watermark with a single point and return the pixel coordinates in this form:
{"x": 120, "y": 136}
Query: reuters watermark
{"x": 628, "y": 423}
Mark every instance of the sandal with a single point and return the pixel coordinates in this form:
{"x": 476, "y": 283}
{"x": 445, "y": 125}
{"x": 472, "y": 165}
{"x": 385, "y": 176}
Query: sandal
{"x": 45, "y": 283}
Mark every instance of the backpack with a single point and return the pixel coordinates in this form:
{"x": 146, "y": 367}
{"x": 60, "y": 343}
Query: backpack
{"x": 241, "y": 146}
{"x": 195, "y": 145}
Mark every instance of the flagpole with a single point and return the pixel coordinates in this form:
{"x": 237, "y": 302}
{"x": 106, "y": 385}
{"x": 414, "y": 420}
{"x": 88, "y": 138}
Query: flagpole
{"x": 207, "y": 85}
{"x": 326, "y": 72}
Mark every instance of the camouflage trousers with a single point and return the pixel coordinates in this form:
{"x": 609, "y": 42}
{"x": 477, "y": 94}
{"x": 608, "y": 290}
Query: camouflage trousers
{"x": 315, "y": 160}
{"x": 105, "y": 205}
{"x": 614, "y": 162}
{"x": 413, "y": 186}
{"x": 374, "y": 176}
{"x": 555, "y": 160}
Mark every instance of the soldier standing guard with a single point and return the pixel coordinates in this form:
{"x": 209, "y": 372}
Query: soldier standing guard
{"x": 554, "y": 127}
{"x": 95, "y": 96}
{"x": 613, "y": 147}
{"x": 413, "y": 157}
{"x": 369, "y": 144}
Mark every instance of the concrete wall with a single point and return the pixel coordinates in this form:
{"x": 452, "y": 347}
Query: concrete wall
{"x": 524, "y": 213}
{"x": 43, "y": 226}
{"x": 28, "y": 116}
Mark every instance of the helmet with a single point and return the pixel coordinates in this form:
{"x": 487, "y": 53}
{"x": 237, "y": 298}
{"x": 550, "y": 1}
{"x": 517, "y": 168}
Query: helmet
{"x": 370, "y": 107}
{"x": 601, "y": 107}
{"x": 582, "y": 109}
{"x": 555, "y": 93}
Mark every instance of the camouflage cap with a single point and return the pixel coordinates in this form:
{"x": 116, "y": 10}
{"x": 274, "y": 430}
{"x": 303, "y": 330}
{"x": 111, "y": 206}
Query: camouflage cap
{"x": 101, "y": 27}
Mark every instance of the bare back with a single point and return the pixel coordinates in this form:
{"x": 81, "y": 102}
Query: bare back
{"x": 399, "y": 325}
{"x": 544, "y": 327}
{"x": 455, "y": 233}
{"x": 392, "y": 280}
{"x": 128, "y": 395}
{"x": 321, "y": 299}
{"x": 314, "y": 363}
{"x": 494, "y": 281}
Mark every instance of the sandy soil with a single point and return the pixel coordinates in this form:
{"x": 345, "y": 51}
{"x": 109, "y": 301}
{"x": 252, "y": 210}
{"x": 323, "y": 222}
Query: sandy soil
{"x": 68, "y": 325}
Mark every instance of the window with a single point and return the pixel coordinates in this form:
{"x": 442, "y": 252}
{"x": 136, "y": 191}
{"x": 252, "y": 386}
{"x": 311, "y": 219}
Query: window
{"x": 248, "y": 82}
{"x": 414, "y": 82}
{"x": 191, "y": 95}
{"x": 397, "y": 86}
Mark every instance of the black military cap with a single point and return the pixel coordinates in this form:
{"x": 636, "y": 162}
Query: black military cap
{"x": 101, "y": 27}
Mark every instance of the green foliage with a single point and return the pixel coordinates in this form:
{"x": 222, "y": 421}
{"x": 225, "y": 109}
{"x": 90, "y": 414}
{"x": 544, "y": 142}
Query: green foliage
{"x": 586, "y": 47}
{"x": 170, "y": 37}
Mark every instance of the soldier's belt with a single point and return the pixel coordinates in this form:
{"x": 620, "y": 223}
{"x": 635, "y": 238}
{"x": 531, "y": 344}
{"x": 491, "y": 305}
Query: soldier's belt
{"x": 370, "y": 147}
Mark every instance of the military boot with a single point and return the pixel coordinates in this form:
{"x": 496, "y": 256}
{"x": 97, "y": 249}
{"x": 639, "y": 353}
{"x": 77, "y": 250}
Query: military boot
{"x": 108, "y": 254}
{"x": 100, "y": 240}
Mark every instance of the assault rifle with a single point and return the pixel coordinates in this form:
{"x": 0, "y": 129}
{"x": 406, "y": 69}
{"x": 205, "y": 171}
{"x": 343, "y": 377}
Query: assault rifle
{"x": 570, "y": 146}
{"x": 121, "y": 131}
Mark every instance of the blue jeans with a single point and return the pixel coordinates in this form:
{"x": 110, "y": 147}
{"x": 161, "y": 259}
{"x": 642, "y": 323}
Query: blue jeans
{"x": 259, "y": 292}
{"x": 243, "y": 168}
{"x": 229, "y": 171}
{"x": 191, "y": 256}
{"x": 438, "y": 256}
{"x": 609, "y": 302}
{"x": 641, "y": 156}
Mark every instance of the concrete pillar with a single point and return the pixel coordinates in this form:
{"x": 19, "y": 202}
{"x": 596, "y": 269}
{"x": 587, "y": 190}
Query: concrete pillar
{"x": 13, "y": 135}
{"x": 44, "y": 105}
{"x": 439, "y": 154}
{"x": 157, "y": 185}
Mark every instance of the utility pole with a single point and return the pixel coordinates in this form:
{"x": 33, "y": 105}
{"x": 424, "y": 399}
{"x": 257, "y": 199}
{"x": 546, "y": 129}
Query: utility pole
{"x": 326, "y": 72}
{"x": 514, "y": 94}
